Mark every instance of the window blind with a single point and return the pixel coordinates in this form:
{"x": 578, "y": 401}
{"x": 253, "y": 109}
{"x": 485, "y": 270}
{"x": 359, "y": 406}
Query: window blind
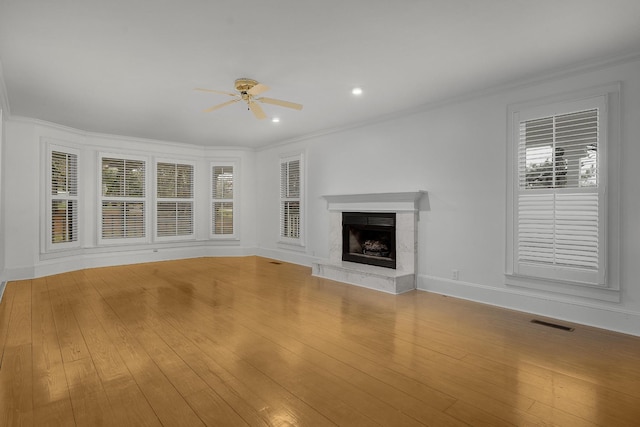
{"x": 122, "y": 219}
{"x": 222, "y": 200}
{"x": 174, "y": 207}
{"x": 64, "y": 197}
{"x": 290, "y": 198}
{"x": 123, "y": 198}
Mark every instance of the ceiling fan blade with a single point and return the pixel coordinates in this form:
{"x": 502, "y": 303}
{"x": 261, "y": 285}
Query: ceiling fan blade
{"x": 224, "y": 104}
{"x": 216, "y": 91}
{"x": 258, "y": 89}
{"x": 257, "y": 110}
{"x": 280, "y": 103}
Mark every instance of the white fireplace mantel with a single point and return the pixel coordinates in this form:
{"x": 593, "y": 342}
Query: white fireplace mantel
{"x": 375, "y": 202}
{"x": 401, "y": 279}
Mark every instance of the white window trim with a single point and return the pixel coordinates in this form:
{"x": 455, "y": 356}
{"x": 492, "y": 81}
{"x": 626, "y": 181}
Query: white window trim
{"x": 297, "y": 243}
{"x": 235, "y": 164}
{"x": 146, "y": 199}
{"x": 157, "y": 199}
{"x": 609, "y": 290}
{"x": 49, "y": 246}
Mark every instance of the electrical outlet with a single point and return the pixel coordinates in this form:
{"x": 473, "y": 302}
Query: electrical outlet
{"x": 455, "y": 274}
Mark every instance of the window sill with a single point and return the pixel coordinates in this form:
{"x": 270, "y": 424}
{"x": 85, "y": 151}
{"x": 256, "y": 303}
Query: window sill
{"x": 105, "y": 249}
{"x": 564, "y": 288}
{"x": 292, "y": 245}
{"x": 222, "y": 238}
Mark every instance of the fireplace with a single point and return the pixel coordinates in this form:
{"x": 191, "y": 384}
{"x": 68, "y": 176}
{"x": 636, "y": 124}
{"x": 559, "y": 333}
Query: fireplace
{"x": 369, "y": 238}
{"x": 360, "y": 226}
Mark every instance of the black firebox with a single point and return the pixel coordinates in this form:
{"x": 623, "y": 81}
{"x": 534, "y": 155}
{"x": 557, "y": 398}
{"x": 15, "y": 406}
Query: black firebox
{"x": 369, "y": 238}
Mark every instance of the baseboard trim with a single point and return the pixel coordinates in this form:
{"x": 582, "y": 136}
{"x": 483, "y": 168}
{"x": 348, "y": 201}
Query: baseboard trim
{"x": 3, "y": 286}
{"x": 293, "y": 257}
{"x": 58, "y": 265}
{"x": 604, "y": 315}
{"x": 109, "y": 259}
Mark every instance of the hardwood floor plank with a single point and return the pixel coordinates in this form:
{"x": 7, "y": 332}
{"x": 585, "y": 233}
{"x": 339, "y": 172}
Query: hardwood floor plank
{"x": 63, "y": 299}
{"x": 90, "y": 403}
{"x": 58, "y": 413}
{"x": 19, "y": 328}
{"x": 16, "y": 405}
{"x": 282, "y": 406}
{"x": 183, "y": 378}
{"x": 566, "y": 393}
{"x": 291, "y": 409}
{"x": 213, "y": 410}
{"x": 351, "y": 378}
{"x": 250, "y": 406}
{"x": 50, "y": 387}
{"x": 562, "y": 418}
{"x": 474, "y": 416}
{"x": 244, "y": 341}
{"x": 16, "y": 373}
{"x": 5, "y": 316}
{"x": 129, "y": 404}
{"x": 167, "y": 403}
{"x": 370, "y": 384}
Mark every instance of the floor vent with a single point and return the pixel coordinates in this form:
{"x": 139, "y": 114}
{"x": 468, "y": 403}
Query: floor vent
{"x": 275, "y": 262}
{"x": 552, "y": 325}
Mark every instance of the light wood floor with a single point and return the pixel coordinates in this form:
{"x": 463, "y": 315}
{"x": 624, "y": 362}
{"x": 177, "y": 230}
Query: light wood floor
{"x": 247, "y": 341}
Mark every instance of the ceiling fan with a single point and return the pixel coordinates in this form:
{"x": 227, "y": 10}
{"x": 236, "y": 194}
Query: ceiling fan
{"x": 248, "y": 91}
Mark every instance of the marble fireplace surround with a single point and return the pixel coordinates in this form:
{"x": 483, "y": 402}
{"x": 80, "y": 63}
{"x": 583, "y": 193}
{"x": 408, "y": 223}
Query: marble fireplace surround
{"x": 395, "y": 281}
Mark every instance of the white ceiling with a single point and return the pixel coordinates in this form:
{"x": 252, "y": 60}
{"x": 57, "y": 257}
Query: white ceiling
{"x": 129, "y": 67}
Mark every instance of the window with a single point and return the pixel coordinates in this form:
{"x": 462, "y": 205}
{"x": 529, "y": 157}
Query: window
{"x": 174, "y": 203}
{"x": 291, "y": 197}
{"x": 62, "y": 200}
{"x": 123, "y": 200}
{"x": 557, "y": 224}
{"x": 223, "y": 205}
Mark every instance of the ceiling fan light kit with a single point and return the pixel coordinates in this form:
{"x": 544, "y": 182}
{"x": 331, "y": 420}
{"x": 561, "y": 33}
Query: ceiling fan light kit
{"x": 247, "y": 91}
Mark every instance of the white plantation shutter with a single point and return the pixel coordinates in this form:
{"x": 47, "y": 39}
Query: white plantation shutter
{"x": 291, "y": 198}
{"x": 63, "y": 198}
{"x": 174, "y": 206}
{"x": 559, "y": 218}
{"x": 123, "y": 200}
{"x": 577, "y": 237}
{"x": 559, "y": 229}
{"x": 222, "y": 200}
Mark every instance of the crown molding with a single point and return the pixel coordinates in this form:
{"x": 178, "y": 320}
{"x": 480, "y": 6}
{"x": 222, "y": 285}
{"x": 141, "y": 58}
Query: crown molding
{"x": 124, "y": 138}
{"x": 521, "y": 83}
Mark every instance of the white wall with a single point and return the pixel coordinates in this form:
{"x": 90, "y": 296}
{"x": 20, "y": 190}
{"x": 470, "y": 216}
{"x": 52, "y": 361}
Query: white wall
{"x": 4, "y": 112}
{"x": 2, "y": 204}
{"x": 457, "y": 152}
{"x": 25, "y": 176}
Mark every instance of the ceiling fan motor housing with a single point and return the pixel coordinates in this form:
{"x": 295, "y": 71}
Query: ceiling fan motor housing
{"x": 243, "y": 85}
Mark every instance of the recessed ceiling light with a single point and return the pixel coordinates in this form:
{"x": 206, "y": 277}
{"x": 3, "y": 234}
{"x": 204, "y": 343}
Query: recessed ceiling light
{"x": 356, "y": 91}
{"x": 275, "y": 120}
